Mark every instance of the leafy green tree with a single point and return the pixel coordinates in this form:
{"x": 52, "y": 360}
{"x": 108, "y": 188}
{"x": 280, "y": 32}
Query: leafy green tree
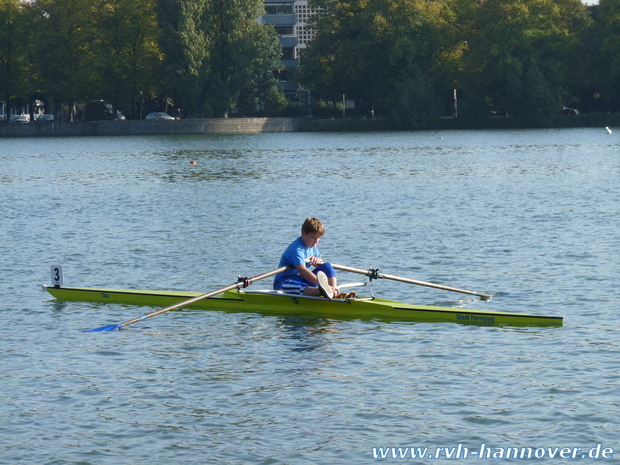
{"x": 367, "y": 49}
{"x": 416, "y": 103}
{"x": 213, "y": 49}
{"x": 246, "y": 53}
{"x": 186, "y": 44}
{"x": 260, "y": 93}
{"x": 126, "y": 54}
{"x": 607, "y": 69}
{"x": 61, "y": 49}
{"x": 399, "y": 58}
{"x": 521, "y": 53}
{"x": 13, "y": 64}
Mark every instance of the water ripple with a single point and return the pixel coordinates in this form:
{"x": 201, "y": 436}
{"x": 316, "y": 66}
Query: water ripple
{"x": 525, "y": 215}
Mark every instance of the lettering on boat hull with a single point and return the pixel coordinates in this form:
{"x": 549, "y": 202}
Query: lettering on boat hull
{"x": 475, "y": 319}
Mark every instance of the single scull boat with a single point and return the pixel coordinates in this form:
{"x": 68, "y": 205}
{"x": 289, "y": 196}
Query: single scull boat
{"x": 269, "y": 302}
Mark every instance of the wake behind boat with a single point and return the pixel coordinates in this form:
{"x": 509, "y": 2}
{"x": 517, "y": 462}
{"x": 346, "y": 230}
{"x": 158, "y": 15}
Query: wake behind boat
{"x": 236, "y": 298}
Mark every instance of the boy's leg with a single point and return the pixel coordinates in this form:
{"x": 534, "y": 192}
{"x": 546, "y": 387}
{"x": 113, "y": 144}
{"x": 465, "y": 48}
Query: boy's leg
{"x": 312, "y": 291}
{"x": 299, "y": 286}
{"x": 296, "y": 286}
{"x": 330, "y": 272}
{"x": 324, "y": 287}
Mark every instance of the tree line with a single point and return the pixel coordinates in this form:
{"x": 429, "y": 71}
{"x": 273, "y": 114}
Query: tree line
{"x": 524, "y": 58}
{"x": 203, "y": 56}
{"x": 412, "y": 61}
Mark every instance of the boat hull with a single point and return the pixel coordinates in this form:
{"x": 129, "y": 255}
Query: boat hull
{"x": 272, "y": 303}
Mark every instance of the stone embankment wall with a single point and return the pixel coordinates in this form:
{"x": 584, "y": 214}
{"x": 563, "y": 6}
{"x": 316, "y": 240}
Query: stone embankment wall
{"x": 152, "y": 127}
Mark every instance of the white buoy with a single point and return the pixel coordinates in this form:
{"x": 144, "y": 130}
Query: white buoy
{"x": 608, "y": 130}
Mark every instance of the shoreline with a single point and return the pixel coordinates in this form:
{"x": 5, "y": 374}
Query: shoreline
{"x": 283, "y": 124}
{"x": 151, "y": 127}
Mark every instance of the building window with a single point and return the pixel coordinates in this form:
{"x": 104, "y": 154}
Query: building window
{"x": 284, "y": 30}
{"x": 279, "y": 8}
{"x": 285, "y": 75}
{"x": 304, "y": 31}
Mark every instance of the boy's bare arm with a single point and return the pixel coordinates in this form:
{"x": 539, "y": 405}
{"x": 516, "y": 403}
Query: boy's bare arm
{"x": 305, "y": 273}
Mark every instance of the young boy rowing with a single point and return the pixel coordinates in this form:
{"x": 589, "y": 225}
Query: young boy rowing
{"x": 299, "y": 255}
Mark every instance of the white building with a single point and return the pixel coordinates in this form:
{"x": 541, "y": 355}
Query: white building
{"x": 290, "y": 20}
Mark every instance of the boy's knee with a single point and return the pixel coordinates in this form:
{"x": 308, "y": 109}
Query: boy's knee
{"x": 326, "y": 268}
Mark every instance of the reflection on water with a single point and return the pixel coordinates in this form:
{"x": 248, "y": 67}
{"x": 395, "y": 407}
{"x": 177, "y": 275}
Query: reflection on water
{"x": 307, "y": 332}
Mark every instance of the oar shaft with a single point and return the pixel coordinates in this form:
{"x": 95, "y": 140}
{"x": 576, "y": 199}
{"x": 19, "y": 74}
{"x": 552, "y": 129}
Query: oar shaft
{"x": 437, "y": 286}
{"x": 407, "y": 280}
{"x": 185, "y": 303}
{"x": 182, "y": 304}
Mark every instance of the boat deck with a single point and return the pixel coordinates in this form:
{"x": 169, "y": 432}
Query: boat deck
{"x": 270, "y": 302}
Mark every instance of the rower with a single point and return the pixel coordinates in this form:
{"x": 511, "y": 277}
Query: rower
{"x": 303, "y": 251}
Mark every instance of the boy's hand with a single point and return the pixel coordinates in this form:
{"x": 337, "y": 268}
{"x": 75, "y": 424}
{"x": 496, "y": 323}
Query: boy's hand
{"x": 315, "y": 261}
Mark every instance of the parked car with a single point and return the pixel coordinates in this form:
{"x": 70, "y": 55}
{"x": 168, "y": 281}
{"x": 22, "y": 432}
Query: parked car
{"x": 19, "y": 119}
{"x": 159, "y": 115}
{"x": 98, "y": 110}
{"x": 45, "y": 118}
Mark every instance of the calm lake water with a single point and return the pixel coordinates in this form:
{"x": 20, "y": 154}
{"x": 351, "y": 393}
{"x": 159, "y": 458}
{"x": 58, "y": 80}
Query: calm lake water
{"x": 529, "y": 216}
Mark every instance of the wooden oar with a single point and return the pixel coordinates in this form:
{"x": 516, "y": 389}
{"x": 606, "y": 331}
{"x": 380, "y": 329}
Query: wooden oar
{"x": 242, "y": 282}
{"x": 374, "y": 274}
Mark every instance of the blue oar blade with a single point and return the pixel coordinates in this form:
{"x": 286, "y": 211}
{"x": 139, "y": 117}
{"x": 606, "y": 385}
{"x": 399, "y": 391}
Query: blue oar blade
{"x": 105, "y": 328}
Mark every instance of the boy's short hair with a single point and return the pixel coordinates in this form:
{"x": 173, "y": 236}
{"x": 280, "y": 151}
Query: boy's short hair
{"x": 313, "y": 226}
